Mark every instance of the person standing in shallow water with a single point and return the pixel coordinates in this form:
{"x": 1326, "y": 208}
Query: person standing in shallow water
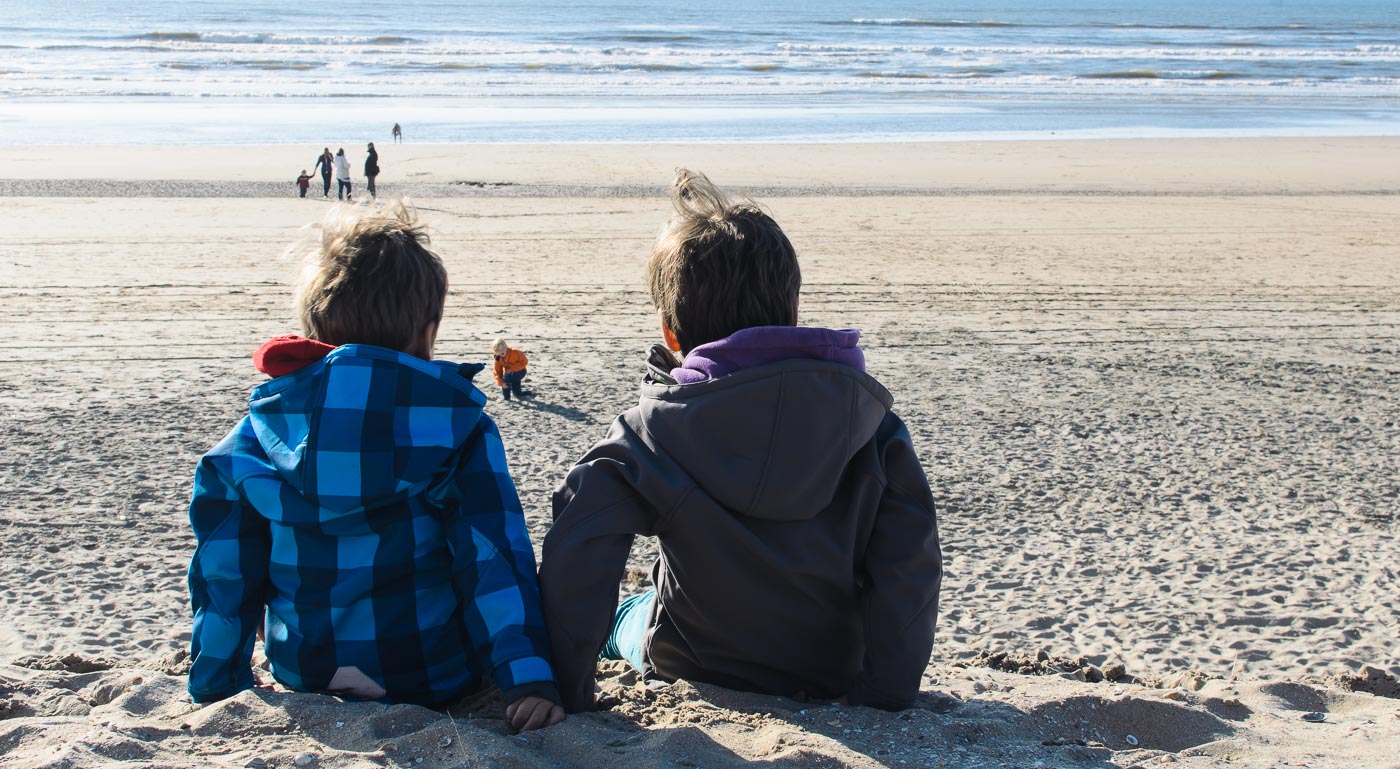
{"x": 397, "y": 134}
{"x": 371, "y": 169}
{"x": 325, "y": 164}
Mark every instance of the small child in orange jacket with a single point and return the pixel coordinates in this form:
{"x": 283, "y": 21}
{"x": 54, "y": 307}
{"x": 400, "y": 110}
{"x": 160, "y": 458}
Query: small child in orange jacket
{"x": 509, "y": 370}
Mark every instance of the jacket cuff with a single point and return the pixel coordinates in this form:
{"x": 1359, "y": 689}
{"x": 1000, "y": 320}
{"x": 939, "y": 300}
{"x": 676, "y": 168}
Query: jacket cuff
{"x": 543, "y": 689}
{"x": 520, "y": 672}
{"x": 862, "y": 694}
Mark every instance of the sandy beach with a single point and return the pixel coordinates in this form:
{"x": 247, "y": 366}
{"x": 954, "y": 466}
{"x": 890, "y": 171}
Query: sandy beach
{"x": 1152, "y": 382}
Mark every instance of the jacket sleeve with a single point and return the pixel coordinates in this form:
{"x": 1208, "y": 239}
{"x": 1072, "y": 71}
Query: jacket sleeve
{"x": 498, "y": 366}
{"x": 903, "y": 568}
{"x": 227, "y": 581}
{"x": 597, "y": 511}
{"x": 493, "y": 571}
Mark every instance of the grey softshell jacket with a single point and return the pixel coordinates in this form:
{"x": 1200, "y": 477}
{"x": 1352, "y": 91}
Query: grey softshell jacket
{"x": 799, "y": 548}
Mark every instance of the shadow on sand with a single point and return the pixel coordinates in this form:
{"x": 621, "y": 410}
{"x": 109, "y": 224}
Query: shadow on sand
{"x": 567, "y": 412}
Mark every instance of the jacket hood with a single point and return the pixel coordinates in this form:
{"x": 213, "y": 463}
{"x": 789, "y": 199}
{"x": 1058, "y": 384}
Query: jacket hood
{"x": 282, "y": 355}
{"x": 365, "y": 426}
{"x": 759, "y": 345}
{"x": 771, "y": 441}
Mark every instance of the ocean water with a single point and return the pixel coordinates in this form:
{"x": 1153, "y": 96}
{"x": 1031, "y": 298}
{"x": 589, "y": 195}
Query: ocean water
{"x": 154, "y": 71}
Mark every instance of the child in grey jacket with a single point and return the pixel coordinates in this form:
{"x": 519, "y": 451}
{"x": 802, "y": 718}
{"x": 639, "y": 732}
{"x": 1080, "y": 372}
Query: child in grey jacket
{"x": 799, "y": 547}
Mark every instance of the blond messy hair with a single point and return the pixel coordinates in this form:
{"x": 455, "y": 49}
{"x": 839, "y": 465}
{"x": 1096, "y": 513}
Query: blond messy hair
{"x": 499, "y": 347}
{"x": 718, "y": 267}
{"x": 369, "y": 278}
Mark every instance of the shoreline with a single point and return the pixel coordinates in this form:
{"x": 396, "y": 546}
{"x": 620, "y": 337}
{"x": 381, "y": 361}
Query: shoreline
{"x": 836, "y": 117}
{"x": 938, "y": 138}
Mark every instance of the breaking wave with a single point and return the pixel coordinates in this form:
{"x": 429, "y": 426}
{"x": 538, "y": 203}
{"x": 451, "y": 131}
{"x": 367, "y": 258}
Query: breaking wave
{"x": 270, "y": 38}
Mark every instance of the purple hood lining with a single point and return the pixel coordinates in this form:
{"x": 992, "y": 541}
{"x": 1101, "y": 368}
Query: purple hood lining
{"x": 751, "y": 347}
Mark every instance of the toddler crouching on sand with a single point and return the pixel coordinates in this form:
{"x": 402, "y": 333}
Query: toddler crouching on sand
{"x": 799, "y": 550}
{"x": 510, "y": 369}
{"x": 363, "y": 510}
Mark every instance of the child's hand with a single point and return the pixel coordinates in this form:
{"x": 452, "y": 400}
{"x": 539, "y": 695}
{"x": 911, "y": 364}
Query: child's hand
{"x": 530, "y": 713}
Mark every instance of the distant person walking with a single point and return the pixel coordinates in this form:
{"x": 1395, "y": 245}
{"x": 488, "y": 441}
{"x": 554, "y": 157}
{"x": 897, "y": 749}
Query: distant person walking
{"x": 325, "y": 164}
{"x": 342, "y": 175}
{"x": 398, "y": 134}
{"x": 371, "y": 169}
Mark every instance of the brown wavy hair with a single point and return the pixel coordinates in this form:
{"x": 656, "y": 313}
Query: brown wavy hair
{"x": 370, "y": 278}
{"x": 718, "y": 267}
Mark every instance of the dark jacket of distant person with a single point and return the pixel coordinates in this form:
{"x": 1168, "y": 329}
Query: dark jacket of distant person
{"x": 372, "y": 161}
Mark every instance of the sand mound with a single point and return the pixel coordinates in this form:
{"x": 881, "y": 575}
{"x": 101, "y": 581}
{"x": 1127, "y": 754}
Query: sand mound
{"x": 72, "y": 663}
{"x": 57, "y": 716}
{"x": 1043, "y": 663}
{"x": 1370, "y": 680}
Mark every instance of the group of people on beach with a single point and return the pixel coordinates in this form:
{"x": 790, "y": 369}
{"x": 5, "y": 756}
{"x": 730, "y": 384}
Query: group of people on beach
{"x": 339, "y": 166}
{"x": 363, "y": 521}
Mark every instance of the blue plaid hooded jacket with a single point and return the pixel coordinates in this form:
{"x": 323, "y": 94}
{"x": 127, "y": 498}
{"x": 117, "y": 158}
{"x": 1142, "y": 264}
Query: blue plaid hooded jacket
{"x": 364, "y": 511}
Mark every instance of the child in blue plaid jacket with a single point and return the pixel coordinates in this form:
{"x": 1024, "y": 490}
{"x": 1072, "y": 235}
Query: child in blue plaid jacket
{"x": 362, "y": 512}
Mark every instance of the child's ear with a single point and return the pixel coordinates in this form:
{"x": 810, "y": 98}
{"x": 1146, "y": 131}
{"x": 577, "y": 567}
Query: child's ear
{"x": 672, "y": 343}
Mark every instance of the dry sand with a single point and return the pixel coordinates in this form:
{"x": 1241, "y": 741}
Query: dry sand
{"x": 1152, "y": 383}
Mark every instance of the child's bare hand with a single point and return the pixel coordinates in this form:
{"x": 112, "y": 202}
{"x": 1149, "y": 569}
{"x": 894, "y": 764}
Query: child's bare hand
{"x": 530, "y": 713}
